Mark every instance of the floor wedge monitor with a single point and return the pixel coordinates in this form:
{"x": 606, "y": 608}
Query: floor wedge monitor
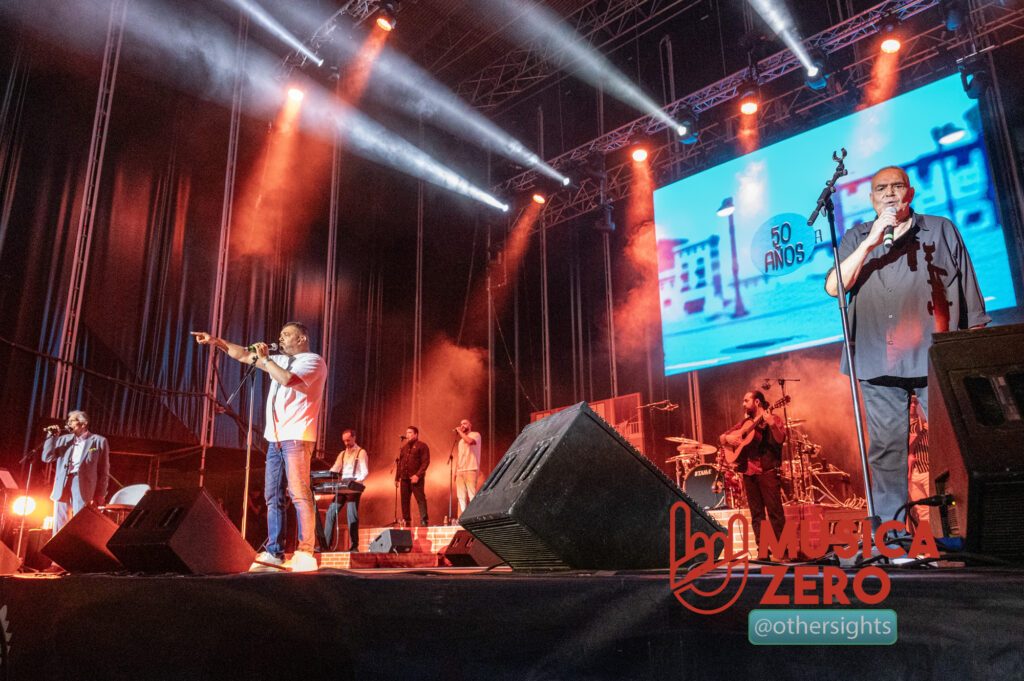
{"x": 180, "y": 530}
{"x": 572, "y": 493}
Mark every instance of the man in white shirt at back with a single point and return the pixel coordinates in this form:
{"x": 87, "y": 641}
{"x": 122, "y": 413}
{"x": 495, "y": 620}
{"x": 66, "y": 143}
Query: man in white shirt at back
{"x": 352, "y": 465}
{"x": 467, "y": 463}
{"x": 297, "y": 384}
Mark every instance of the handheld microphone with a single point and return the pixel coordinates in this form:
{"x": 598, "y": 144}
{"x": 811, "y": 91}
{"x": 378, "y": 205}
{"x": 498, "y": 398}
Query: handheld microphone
{"x": 53, "y": 430}
{"x": 887, "y": 237}
{"x": 401, "y": 437}
{"x": 252, "y": 348}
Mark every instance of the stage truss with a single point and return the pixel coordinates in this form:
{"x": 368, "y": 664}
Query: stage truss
{"x": 927, "y": 55}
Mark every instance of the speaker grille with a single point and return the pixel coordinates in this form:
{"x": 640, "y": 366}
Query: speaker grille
{"x": 1003, "y": 519}
{"x": 517, "y": 545}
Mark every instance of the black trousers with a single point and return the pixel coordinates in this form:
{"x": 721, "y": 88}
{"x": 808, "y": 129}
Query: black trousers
{"x": 764, "y": 496}
{"x": 407, "y": 487}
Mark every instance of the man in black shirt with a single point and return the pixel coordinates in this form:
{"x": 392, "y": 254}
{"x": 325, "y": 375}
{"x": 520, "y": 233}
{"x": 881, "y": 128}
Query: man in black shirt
{"x": 759, "y": 461}
{"x": 908, "y": 276}
{"x": 413, "y": 460}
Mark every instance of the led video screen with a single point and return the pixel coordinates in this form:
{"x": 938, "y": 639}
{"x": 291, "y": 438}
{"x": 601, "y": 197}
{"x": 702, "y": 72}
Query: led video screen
{"x": 750, "y": 283}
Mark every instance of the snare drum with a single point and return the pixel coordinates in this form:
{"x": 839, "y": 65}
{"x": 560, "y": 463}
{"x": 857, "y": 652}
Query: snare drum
{"x": 700, "y": 486}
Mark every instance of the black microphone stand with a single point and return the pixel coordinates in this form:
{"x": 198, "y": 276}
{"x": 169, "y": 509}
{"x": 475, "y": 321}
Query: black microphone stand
{"x": 395, "y": 522}
{"x": 250, "y": 373}
{"x": 451, "y": 478}
{"x": 799, "y": 490}
{"x": 825, "y": 202}
{"x": 31, "y": 458}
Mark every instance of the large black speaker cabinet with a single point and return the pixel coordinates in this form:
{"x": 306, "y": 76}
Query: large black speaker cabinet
{"x": 392, "y": 541}
{"x": 465, "y": 550}
{"x": 571, "y": 493}
{"x": 180, "y": 530}
{"x": 81, "y": 545}
{"x": 976, "y": 431}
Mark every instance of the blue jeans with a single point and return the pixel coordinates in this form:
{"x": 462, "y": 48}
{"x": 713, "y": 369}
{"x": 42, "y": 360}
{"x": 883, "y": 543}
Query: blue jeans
{"x": 887, "y": 411}
{"x": 288, "y": 472}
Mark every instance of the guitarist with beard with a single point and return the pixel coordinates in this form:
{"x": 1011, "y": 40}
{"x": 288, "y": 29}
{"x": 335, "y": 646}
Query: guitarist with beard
{"x": 755, "y": 445}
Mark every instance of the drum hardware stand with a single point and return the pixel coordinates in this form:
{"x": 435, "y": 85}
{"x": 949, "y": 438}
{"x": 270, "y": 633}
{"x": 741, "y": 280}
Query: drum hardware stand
{"x": 801, "y": 485}
{"x": 825, "y": 202}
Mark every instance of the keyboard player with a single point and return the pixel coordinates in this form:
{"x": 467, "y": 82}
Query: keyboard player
{"x": 351, "y": 465}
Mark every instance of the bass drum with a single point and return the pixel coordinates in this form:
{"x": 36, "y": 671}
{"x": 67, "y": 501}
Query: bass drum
{"x": 700, "y": 485}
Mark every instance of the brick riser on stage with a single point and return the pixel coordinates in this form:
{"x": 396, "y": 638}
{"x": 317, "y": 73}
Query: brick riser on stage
{"x": 816, "y": 517}
{"x": 427, "y": 543}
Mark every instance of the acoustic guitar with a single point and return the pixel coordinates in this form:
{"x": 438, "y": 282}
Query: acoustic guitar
{"x": 738, "y": 439}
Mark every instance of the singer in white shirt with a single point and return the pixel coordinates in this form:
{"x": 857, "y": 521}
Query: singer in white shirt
{"x": 467, "y": 463}
{"x": 297, "y": 379}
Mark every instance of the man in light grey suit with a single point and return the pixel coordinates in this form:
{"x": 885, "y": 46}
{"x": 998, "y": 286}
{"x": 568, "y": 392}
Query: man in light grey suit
{"x": 83, "y": 467}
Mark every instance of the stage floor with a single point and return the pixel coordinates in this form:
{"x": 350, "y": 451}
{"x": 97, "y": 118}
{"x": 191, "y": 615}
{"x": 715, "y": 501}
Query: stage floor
{"x": 453, "y": 623}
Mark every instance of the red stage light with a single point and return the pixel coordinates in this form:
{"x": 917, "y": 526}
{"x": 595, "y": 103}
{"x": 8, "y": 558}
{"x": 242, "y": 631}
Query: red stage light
{"x": 384, "y": 22}
{"x": 639, "y": 154}
{"x": 23, "y": 506}
{"x": 539, "y": 198}
{"x": 891, "y": 46}
{"x": 295, "y": 94}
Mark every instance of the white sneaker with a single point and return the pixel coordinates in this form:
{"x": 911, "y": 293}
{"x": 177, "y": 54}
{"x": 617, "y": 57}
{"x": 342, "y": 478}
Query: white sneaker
{"x": 267, "y": 562}
{"x": 301, "y": 561}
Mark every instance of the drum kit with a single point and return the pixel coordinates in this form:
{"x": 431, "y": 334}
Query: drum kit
{"x": 703, "y": 473}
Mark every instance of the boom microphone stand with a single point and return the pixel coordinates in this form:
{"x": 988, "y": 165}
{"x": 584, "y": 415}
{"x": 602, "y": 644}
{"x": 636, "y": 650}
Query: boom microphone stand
{"x": 250, "y": 373}
{"x": 825, "y": 201}
{"x": 451, "y": 479}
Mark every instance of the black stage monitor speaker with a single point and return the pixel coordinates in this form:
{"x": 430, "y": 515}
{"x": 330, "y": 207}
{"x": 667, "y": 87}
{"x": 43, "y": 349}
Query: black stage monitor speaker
{"x": 9, "y": 561}
{"x": 180, "y": 530}
{"x": 81, "y": 545}
{"x": 392, "y": 541}
{"x": 572, "y": 493}
{"x": 465, "y": 550}
{"x": 976, "y": 427}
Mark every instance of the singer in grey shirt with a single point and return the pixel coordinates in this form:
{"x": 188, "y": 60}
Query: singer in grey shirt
{"x": 908, "y": 276}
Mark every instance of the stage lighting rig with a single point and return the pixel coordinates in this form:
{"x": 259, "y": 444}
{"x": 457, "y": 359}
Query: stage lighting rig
{"x": 749, "y": 98}
{"x": 818, "y": 74}
{"x": 687, "y": 119}
{"x": 973, "y": 75}
{"x": 604, "y": 222}
{"x": 952, "y": 14}
{"x": 888, "y": 29}
{"x": 387, "y": 15}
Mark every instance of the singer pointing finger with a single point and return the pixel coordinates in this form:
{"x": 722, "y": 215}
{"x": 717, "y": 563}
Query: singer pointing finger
{"x": 297, "y": 384}
{"x": 908, "y": 275}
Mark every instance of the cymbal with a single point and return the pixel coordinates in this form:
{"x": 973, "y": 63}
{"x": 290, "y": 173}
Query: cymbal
{"x": 795, "y": 422}
{"x": 680, "y": 440}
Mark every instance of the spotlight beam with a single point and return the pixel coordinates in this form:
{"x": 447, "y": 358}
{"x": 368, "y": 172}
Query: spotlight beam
{"x": 849, "y": 32}
{"x": 776, "y": 15}
{"x": 397, "y": 81}
{"x": 196, "y": 53}
{"x": 263, "y": 18}
{"x": 548, "y": 33}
